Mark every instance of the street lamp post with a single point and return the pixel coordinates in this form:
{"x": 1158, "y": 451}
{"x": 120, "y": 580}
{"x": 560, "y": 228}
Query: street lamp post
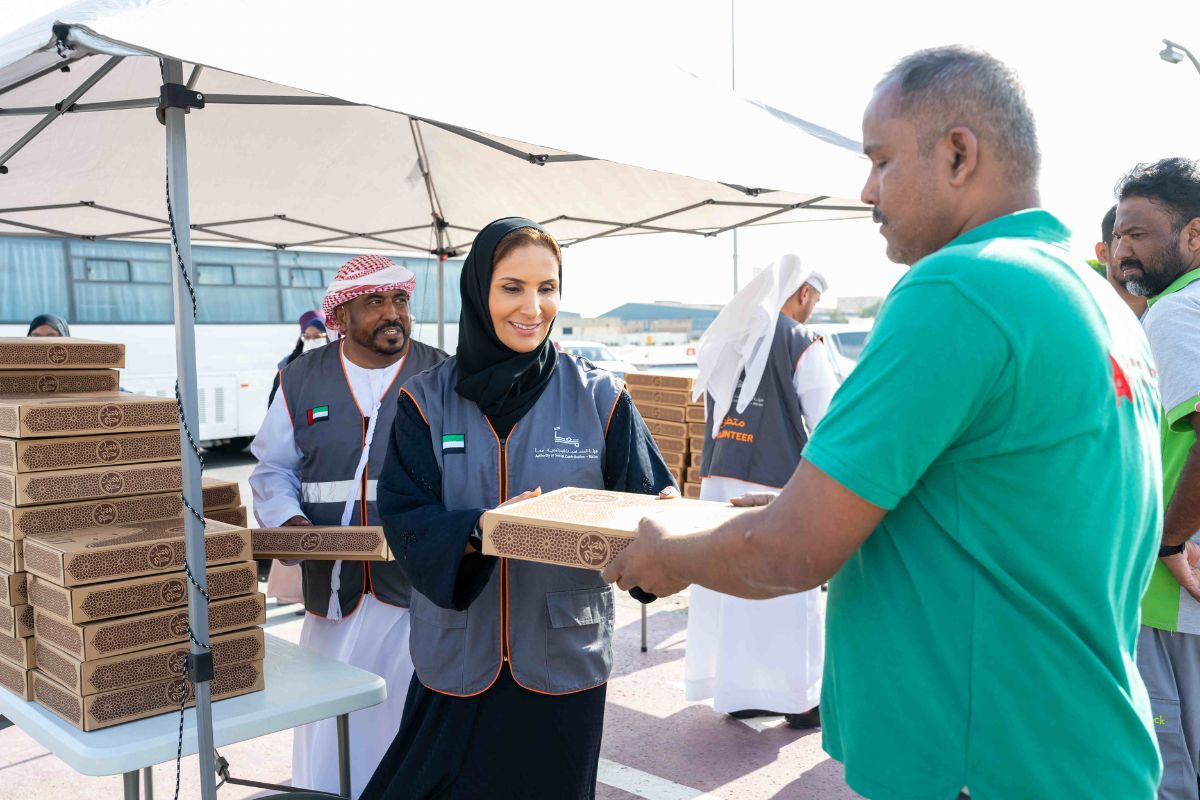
{"x": 1173, "y": 53}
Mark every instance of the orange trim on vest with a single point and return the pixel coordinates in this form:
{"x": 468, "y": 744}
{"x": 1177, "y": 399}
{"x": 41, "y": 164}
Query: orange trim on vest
{"x": 418, "y": 405}
{"x": 612, "y": 411}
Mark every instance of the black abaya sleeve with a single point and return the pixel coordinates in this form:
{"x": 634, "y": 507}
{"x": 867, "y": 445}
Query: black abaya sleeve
{"x": 632, "y": 462}
{"x": 428, "y": 540}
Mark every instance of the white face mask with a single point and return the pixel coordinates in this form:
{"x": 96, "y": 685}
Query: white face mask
{"x": 313, "y": 344}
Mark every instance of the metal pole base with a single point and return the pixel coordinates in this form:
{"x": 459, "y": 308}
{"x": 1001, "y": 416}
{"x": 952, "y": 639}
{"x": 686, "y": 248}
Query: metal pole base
{"x": 643, "y": 628}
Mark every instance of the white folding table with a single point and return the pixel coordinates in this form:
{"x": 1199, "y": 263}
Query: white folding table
{"x": 301, "y": 687}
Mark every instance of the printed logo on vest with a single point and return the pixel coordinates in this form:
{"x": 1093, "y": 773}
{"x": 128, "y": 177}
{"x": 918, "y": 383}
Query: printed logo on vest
{"x": 318, "y": 414}
{"x": 454, "y": 443}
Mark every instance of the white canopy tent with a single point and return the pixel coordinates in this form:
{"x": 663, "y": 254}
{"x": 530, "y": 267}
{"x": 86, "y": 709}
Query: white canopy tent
{"x": 368, "y": 125}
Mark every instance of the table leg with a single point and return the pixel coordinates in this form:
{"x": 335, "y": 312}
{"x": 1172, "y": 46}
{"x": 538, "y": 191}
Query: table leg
{"x": 643, "y": 627}
{"x": 148, "y": 783}
{"x": 131, "y": 785}
{"x": 343, "y": 740}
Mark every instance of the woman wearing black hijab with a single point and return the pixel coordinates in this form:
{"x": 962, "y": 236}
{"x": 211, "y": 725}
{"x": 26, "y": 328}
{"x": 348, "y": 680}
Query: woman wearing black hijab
{"x": 48, "y": 325}
{"x": 512, "y": 657}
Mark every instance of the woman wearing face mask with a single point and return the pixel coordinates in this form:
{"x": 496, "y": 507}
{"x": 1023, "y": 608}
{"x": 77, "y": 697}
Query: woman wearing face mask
{"x": 511, "y": 657}
{"x": 312, "y": 336}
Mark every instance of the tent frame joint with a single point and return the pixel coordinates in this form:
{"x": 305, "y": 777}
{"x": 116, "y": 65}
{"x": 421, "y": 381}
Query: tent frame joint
{"x": 177, "y": 95}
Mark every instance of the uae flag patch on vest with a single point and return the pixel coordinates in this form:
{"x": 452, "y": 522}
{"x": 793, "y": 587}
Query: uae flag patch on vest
{"x": 454, "y": 443}
{"x": 318, "y": 414}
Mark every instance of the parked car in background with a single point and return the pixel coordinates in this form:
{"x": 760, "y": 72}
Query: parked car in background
{"x": 597, "y": 353}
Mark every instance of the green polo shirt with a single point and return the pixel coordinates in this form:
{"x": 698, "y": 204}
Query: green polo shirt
{"x": 1005, "y": 416}
{"x": 1172, "y": 324}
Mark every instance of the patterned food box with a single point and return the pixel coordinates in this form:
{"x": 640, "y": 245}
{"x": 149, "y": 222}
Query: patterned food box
{"x": 144, "y": 666}
{"x": 19, "y": 522}
{"x": 696, "y": 458}
{"x": 110, "y": 637}
{"x": 696, "y": 443}
{"x": 11, "y": 556}
{"x": 40, "y": 455}
{"x": 138, "y": 702}
{"x": 17, "y": 680}
{"x": 220, "y": 494}
{"x": 695, "y": 414}
{"x": 671, "y": 444}
{"x": 674, "y": 430}
{"x": 78, "y": 604}
{"x": 322, "y": 543}
{"x": 59, "y": 353}
{"x": 691, "y": 490}
{"x": 90, "y": 483}
{"x": 697, "y": 429}
{"x": 654, "y": 380}
{"x": 230, "y": 516}
{"x": 16, "y": 621}
{"x": 14, "y": 589}
{"x": 693, "y": 475}
{"x": 674, "y": 460}
{"x": 32, "y": 416}
{"x": 18, "y": 650}
{"x": 91, "y": 555}
{"x": 664, "y": 413}
{"x": 588, "y": 527}
{"x": 79, "y": 381}
{"x": 661, "y": 397}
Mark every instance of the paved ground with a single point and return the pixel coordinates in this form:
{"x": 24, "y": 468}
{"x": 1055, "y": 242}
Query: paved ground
{"x": 656, "y": 746}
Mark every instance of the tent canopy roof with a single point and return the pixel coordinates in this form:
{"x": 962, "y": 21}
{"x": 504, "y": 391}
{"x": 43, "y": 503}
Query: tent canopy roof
{"x": 361, "y": 128}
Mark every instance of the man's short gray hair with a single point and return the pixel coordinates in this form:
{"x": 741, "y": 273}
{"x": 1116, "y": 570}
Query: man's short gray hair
{"x": 947, "y": 87}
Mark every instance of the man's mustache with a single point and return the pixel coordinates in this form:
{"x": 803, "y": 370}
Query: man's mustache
{"x": 385, "y": 325}
{"x": 1131, "y": 262}
{"x": 878, "y": 216}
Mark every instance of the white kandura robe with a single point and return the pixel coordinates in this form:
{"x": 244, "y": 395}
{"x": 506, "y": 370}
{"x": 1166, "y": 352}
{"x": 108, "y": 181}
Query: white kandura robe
{"x": 761, "y": 654}
{"x": 374, "y": 637}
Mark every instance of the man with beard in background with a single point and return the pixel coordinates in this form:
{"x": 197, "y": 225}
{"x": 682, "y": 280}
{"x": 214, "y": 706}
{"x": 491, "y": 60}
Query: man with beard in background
{"x": 1105, "y": 254}
{"x": 320, "y": 450}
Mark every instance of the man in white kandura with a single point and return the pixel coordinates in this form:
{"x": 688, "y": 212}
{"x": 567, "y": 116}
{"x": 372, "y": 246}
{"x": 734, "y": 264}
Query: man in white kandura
{"x": 767, "y": 381}
{"x": 319, "y": 453}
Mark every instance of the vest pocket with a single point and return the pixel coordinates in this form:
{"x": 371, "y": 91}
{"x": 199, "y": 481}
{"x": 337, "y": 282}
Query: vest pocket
{"x": 579, "y": 642}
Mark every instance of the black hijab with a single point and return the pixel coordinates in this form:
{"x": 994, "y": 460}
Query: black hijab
{"x": 502, "y": 382}
{"x": 58, "y": 323}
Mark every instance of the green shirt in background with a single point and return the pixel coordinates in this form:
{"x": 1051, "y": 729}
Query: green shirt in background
{"x": 1172, "y": 325}
{"x": 1005, "y": 415}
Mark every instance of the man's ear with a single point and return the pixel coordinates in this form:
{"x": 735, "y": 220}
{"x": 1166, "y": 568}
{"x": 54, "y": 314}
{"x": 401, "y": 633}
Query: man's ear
{"x": 963, "y": 147}
{"x": 343, "y": 316}
{"x": 1102, "y": 253}
{"x": 1190, "y": 238}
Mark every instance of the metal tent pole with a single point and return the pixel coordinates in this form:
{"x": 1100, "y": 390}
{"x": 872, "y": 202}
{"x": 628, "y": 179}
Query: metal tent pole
{"x": 185, "y": 360}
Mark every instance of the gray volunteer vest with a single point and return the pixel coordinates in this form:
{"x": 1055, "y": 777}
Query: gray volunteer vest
{"x": 330, "y": 430}
{"x": 552, "y": 624}
{"x": 763, "y": 444}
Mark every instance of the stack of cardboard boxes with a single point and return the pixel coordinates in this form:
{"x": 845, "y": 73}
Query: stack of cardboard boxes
{"x": 91, "y": 544}
{"x": 677, "y": 422}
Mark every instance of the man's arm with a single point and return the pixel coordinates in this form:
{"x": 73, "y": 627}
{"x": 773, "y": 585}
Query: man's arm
{"x": 1182, "y": 519}
{"x": 791, "y": 545}
{"x": 275, "y": 480}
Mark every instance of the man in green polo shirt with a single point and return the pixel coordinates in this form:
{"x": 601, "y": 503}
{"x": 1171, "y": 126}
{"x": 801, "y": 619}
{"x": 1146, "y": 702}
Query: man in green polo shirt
{"x": 1158, "y": 253}
{"x": 983, "y": 490}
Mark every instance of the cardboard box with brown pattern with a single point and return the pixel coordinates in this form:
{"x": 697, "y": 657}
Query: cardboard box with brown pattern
{"x": 89, "y": 483}
{"x": 14, "y": 588}
{"x": 138, "y": 702}
{"x": 46, "y": 381}
{"x": 16, "y": 679}
{"x": 16, "y": 621}
{"x": 110, "y": 637}
{"x": 74, "y": 452}
{"x": 109, "y": 553}
{"x": 143, "y": 666}
{"x": 78, "y": 604}
{"x": 32, "y": 416}
{"x": 587, "y": 528}
{"x": 323, "y": 543}
{"x": 59, "y": 352}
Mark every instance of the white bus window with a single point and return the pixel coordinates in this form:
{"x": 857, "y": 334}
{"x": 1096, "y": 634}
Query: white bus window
{"x": 302, "y": 276}
{"x": 122, "y": 302}
{"x": 215, "y": 274}
{"x": 34, "y": 278}
{"x": 150, "y": 272}
{"x": 102, "y": 269}
{"x": 254, "y": 276}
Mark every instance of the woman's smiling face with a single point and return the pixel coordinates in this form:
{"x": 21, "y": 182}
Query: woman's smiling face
{"x": 523, "y": 299}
